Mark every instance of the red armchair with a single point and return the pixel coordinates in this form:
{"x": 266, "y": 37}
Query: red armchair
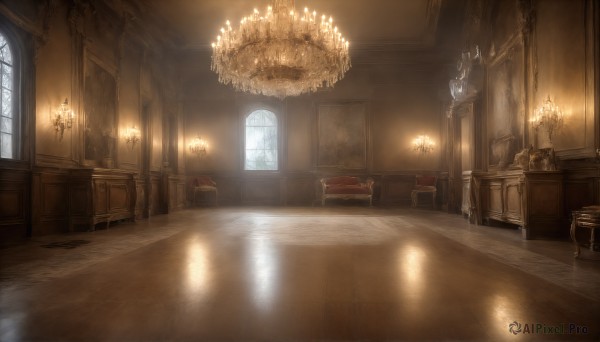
{"x": 204, "y": 184}
{"x": 426, "y": 185}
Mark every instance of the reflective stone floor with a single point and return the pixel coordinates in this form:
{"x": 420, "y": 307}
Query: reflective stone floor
{"x": 334, "y": 273}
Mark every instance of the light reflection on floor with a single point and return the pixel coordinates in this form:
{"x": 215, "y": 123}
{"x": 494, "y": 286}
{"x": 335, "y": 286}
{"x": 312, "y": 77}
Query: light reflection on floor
{"x": 297, "y": 277}
{"x": 411, "y": 261}
{"x": 263, "y": 271}
{"x": 198, "y": 269}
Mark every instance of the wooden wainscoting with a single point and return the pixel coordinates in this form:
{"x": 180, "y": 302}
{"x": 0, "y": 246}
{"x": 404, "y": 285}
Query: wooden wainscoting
{"x": 300, "y": 189}
{"x": 14, "y": 206}
{"x": 581, "y": 188}
{"x": 153, "y": 189}
{"x": 140, "y": 203}
{"x": 50, "y": 201}
{"x": 262, "y": 190}
{"x": 396, "y": 189}
{"x": 175, "y": 188}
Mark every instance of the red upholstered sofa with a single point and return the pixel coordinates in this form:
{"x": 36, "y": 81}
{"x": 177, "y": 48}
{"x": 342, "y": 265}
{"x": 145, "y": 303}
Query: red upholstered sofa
{"x": 346, "y": 187}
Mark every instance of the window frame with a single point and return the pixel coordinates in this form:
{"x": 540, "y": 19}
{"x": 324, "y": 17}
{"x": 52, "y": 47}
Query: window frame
{"x": 246, "y": 112}
{"x": 17, "y": 134}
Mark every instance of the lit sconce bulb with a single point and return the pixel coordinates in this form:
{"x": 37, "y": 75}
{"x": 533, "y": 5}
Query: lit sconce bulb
{"x": 132, "y": 136}
{"x": 255, "y": 11}
{"x": 198, "y": 146}
{"x": 423, "y": 144}
{"x": 218, "y": 38}
{"x": 213, "y": 45}
{"x": 305, "y": 9}
{"x": 62, "y": 118}
{"x": 330, "y": 20}
{"x": 228, "y": 23}
{"x": 222, "y": 30}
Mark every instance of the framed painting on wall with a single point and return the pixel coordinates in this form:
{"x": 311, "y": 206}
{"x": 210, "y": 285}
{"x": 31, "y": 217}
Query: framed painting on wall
{"x": 100, "y": 114}
{"x": 342, "y": 136}
{"x": 505, "y": 106}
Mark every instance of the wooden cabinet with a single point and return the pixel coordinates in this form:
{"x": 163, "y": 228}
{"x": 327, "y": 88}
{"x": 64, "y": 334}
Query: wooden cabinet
{"x": 533, "y": 200}
{"x": 101, "y": 195}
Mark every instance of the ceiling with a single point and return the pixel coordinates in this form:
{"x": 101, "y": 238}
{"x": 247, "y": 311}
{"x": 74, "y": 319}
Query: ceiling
{"x": 408, "y": 23}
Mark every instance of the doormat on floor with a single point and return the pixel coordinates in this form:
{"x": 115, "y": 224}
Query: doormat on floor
{"x": 66, "y": 244}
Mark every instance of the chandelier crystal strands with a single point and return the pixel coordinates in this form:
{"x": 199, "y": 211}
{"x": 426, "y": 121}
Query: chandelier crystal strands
{"x": 281, "y": 53}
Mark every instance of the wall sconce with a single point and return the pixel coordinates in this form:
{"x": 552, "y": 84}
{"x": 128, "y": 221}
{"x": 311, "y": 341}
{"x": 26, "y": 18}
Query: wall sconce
{"x": 549, "y": 116}
{"x": 198, "y": 146}
{"x": 132, "y": 136}
{"x": 62, "y": 118}
{"x": 423, "y": 144}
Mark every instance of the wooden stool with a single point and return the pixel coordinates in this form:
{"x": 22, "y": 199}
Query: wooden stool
{"x": 587, "y": 217}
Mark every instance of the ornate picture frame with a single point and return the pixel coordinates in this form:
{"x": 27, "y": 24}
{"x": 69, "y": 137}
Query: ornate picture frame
{"x": 342, "y": 136}
{"x": 100, "y": 108}
{"x": 506, "y": 106}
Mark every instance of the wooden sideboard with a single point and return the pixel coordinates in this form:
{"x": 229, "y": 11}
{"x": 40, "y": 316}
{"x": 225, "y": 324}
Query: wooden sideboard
{"x": 532, "y": 200}
{"x": 101, "y": 195}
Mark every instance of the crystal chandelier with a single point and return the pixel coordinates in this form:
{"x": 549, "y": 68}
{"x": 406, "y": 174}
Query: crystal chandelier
{"x": 281, "y": 52}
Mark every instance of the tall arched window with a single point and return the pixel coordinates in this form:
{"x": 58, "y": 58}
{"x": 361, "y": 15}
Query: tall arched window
{"x": 261, "y": 141}
{"x": 8, "y": 131}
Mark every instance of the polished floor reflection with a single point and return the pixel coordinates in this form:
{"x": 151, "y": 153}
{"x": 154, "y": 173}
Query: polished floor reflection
{"x": 334, "y": 273}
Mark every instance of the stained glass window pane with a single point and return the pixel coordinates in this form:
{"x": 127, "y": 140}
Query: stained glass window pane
{"x": 261, "y": 141}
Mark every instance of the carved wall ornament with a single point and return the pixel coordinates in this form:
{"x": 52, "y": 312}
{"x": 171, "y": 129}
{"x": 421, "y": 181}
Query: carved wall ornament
{"x": 461, "y": 87}
{"x": 530, "y": 159}
{"x": 542, "y": 160}
{"x": 522, "y": 158}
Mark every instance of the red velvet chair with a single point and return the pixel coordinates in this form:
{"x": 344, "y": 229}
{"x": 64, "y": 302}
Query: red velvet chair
{"x": 424, "y": 185}
{"x": 204, "y": 184}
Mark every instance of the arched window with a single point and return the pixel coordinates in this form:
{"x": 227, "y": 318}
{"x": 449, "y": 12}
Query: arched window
{"x": 261, "y": 141}
{"x": 8, "y": 131}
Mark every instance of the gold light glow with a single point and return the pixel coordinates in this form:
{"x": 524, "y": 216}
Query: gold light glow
{"x": 281, "y": 52}
{"x": 62, "y": 118}
{"x": 198, "y": 146}
{"x": 423, "y": 144}
{"x": 132, "y": 136}
{"x": 549, "y": 116}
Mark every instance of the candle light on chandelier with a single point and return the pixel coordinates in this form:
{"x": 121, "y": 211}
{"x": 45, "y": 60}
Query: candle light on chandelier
{"x": 62, "y": 118}
{"x": 423, "y": 144}
{"x": 548, "y": 116}
{"x": 198, "y": 146}
{"x": 281, "y": 52}
{"x": 132, "y": 136}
